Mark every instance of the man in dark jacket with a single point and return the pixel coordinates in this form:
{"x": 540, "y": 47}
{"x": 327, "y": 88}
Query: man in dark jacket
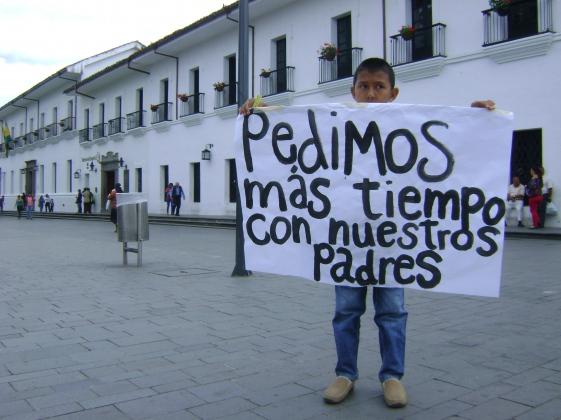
{"x": 176, "y": 196}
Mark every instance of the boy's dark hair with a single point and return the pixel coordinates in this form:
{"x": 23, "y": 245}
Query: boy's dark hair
{"x": 375, "y": 64}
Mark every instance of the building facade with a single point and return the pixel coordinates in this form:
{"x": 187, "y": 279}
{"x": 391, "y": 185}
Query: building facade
{"x": 147, "y": 116}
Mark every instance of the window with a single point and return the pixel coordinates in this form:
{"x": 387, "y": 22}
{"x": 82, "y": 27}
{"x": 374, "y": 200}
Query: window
{"x": 196, "y": 181}
{"x": 53, "y": 178}
{"x": 69, "y": 174}
{"x": 86, "y": 118}
{"x": 139, "y": 180}
{"x": 280, "y": 58}
{"x": 231, "y": 165}
{"x": 101, "y": 113}
{"x": 42, "y": 178}
{"x": 526, "y": 153}
{"x": 126, "y": 180}
{"x": 164, "y": 179}
{"x": 344, "y": 45}
{"x": 196, "y": 89}
{"x": 232, "y": 80}
{"x": 421, "y": 19}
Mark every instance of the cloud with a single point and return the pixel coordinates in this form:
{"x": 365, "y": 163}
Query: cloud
{"x": 65, "y": 31}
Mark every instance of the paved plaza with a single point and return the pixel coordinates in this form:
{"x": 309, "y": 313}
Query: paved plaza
{"x": 84, "y": 337}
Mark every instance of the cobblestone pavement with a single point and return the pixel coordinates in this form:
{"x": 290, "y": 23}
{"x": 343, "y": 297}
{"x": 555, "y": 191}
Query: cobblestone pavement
{"x": 83, "y": 337}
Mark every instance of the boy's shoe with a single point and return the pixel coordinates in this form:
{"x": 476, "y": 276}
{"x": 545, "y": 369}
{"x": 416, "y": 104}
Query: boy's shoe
{"x": 394, "y": 393}
{"x": 339, "y": 389}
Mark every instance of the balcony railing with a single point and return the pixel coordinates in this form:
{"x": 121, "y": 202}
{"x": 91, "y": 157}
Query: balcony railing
{"x": 161, "y": 112}
{"x": 277, "y": 81}
{"x": 116, "y": 126}
{"x": 84, "y": 135}
{"x": 99, "y": 131}
{"x": 30, "y": 137}
{"x": 67, "y": 124}
{"x": 41, "y": 134}
{"x": 135, "y": 120}
{"x": 51, "y": 130}
{"x": 342, "y": 66}
{"x": 424, "y": 43}
{"x": 18, "y": 142}
{"x": 195, "y": 104}
{"x": 520, "y": 19}
{"x": 227, "y": 96}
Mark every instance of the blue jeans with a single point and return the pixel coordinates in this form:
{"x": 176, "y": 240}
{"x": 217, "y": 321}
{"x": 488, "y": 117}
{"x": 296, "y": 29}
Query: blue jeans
{"x": 391, "y": 319}
{"x": 29, "y": 212}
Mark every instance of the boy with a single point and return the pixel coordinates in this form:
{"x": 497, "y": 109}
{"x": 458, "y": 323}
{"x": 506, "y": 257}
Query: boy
{"x": 373, "y": 82}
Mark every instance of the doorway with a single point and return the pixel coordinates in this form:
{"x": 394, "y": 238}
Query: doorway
{"x": 108, "y": 179}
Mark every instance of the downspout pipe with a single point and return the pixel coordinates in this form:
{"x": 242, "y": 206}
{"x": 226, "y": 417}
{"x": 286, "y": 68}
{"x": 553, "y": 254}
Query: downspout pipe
{"x": 384, "y": 29}
{"x": 252, "y": 55}
{"x": 176, "y": 79}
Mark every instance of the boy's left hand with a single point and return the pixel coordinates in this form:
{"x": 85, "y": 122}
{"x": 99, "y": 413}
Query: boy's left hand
{"x": 487, "y": 104}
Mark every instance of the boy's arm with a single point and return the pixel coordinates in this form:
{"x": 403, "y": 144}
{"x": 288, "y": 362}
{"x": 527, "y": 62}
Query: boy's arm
{"x": 487, "y": 104}
{"x": 251, "y": 103}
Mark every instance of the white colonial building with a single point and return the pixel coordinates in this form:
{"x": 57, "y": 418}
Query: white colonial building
{"x": 142, "y": 116}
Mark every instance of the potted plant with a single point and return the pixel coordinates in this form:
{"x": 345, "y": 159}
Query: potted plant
{"x": 328, "y": 51}
{"x": 265, "y": 73}
{"x": 183, "y": 97}
{"x": 219, "y": 86}
{"x": 61, "y": 123}
{"x": 407, "y": 32}
{"x": 501, "y": 7}
{"x": 153, "y": 108}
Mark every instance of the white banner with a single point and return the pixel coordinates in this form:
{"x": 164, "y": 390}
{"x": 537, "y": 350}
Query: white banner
{"x": 376, "y": 194}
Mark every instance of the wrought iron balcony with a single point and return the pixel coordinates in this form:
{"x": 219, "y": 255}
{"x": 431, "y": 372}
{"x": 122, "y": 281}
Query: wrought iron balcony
{"x": 341, "y": 66}
{"x": 84, "y": 135}
{"x": 193, "y": 104}
{"x": 277, "y": 81}
{"x": 161, "y": 112}
{"x": 135, "y": 119}
{"x": 424, "y": 43}
{"x": 228, "y": 95}
{"x": 520, "y": 19}
{"x": 41, "y": 134}
{"x": 30, "y": 137}
{"x": 67, "y": 124}
{"x": 19, "y": 142}
{"x": 116, "y": 126}
{"x": 51, "y": 130}
{"x": 99, "y": 131}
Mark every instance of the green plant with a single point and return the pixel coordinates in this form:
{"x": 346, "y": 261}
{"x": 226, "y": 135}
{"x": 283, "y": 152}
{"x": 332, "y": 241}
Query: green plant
{"x": 407, "y": 32}
{"x": 328, "y": 51}
{"x": 500, "y": 4}
{"x": 219, "y": 86}
{"x": 265, "y": 72}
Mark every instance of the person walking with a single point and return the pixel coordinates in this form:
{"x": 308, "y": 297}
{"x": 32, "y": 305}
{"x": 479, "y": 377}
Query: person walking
{"x": 547, "y": 192}
{"x": 535, "y": 197}
{"x": 29, "y": 205}
{"x": 167, "y": 198}
{"x": 87, "y": 197}
{"x": 51, "y": 204}
{"x": 79, "y": 201}
{"x": 177, "y": 194}
{"x": 19, "y": 205}
{"x": 41, "y": 203}
{"x": 112, "y": 197}
{"x": 2, "y": 204}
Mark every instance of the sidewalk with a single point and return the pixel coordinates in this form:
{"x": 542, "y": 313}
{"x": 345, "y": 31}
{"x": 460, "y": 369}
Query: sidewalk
{"x": 82, "y": 336}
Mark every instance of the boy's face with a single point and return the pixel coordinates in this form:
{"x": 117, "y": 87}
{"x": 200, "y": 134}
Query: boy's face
{"x": 373, "y": 87}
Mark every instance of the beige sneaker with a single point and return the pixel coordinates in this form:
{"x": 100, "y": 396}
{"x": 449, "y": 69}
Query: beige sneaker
{"x": 394, "y": 393}
{"x": 339, "y": 389}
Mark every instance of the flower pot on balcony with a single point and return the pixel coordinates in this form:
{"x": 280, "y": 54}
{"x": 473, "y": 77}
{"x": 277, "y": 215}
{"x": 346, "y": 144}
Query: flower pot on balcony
{"x": 219, "y": 86}
{"x": 183, "y": 97}
{"x": 502, "y": 11}
{"x": 328, "y": 52}
{"x": 407, "y": 32}
{"x": 153, "y": 108}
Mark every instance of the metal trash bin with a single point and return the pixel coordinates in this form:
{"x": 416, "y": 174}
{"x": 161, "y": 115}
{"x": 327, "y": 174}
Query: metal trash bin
{"x": 132, "y": 223}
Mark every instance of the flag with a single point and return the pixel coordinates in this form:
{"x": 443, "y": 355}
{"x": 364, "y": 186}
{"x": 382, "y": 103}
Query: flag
{"x": 7, "y": 138}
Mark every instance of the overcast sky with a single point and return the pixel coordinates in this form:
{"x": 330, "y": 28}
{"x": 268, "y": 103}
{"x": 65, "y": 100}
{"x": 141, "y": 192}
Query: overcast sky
{"x": 39, "y": 37}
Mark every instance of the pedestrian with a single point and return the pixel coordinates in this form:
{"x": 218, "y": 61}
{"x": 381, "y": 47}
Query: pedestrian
{"x": 79, "y": 201}
{"x": 547, "y": 193}
{"x": 515, "y": 199}
{"x": 535, "y": 197}
{"x": 19, "y": 205}
{"x": 87, "y": 197}
{"x": 1, "y": 204}
{"x": 41, "y": 203}
{"x": 112, "y": 197}
{"x": 47, "y": 203}
{"x": 373, "y": 82}
{"x": 29, "y": 206}
{"x": 51, "y": 204}
{"x": 176, "y": 195}
{"x": 167, "y": 197}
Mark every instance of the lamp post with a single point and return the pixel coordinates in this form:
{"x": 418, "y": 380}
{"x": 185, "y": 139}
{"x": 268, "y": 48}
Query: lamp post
{"x": 243, "y": 92}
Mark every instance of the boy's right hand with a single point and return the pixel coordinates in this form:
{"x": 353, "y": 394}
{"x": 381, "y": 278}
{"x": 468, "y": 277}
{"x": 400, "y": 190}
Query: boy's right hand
{"x": 245, "y": 109}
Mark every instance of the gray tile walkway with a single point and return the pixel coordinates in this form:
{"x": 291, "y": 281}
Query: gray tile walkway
{"x": 83, "y": 337}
